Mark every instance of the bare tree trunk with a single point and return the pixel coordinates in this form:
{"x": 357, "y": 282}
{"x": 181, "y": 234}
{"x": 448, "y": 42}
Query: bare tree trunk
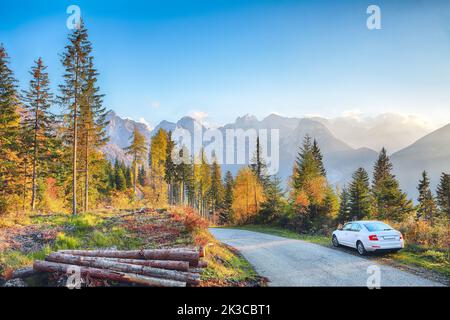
{"x": 86, "y": 165}
{"x": 74, "y": 146}
{"x": 46, "y": 266}
{"x": 96, "y": 262}
{"x": 163, "y": 264}
{"x": 192, "y": 256}
{"x": 33, "y": 185}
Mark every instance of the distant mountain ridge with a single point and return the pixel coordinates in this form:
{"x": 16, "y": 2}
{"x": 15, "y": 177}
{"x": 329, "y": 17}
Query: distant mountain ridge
{"x": 431, "y": 152}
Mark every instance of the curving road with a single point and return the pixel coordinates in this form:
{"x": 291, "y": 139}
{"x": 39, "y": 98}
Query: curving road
{"x": 288, "y": 262}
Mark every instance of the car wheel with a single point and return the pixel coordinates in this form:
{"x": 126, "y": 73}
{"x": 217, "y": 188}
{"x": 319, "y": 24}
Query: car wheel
{"x": 360, "y": 247}
{"x": 335, "y": 241}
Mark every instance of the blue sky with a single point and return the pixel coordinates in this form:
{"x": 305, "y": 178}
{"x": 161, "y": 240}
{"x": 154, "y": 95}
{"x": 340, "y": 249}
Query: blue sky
{"x": 225, "y": 58}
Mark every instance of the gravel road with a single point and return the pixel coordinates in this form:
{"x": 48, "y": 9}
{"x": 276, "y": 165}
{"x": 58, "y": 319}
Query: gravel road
{"x": 288, "y": 262}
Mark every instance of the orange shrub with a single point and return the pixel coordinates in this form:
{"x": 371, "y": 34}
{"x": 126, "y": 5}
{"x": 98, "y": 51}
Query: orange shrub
{"x": 193, "y": 221}
{"x": 424, "y": 233}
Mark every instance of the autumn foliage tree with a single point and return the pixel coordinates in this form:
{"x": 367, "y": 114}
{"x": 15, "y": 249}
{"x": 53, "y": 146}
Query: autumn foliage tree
{"x": 313, "y": 200}
{"x": 9, "y": 131}
{"x": 249, "y": 195}
{"x": 137, "y": 150}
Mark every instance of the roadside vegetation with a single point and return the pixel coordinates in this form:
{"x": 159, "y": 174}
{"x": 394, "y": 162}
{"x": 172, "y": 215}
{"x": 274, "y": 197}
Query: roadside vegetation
{"x": 123, "y": 230}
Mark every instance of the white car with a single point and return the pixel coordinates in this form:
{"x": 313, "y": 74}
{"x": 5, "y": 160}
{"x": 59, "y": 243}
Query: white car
{"x": 368, "y": 236}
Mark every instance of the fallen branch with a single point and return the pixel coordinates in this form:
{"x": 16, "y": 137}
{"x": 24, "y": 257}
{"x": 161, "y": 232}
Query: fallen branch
{"x": 46, "y": 266}
{"x": 96, "y": 262}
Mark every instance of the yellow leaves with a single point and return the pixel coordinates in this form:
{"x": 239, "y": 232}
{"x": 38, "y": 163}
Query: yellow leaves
{"x": 248, "y": 194}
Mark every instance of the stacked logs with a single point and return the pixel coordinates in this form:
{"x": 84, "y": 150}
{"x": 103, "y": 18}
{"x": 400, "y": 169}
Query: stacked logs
{"x": 175, "y": 267}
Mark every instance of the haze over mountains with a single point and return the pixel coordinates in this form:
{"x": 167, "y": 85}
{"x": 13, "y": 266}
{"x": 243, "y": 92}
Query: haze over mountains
{"x": 346, "y": 143}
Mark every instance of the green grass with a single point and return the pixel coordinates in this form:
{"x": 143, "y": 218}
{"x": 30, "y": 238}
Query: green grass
{"x": 429, "y": 259}
{"x": 281, "y": 232}
{"x": 225, "y": 266}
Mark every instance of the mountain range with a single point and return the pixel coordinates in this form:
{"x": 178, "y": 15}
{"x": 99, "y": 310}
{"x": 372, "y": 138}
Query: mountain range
{"x": 429, "y": 151}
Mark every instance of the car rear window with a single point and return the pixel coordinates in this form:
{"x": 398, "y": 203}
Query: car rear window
{"x": 377, "y": 226}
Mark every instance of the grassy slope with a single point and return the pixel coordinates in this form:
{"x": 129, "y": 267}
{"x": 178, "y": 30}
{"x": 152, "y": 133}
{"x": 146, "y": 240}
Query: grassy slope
{"x": 109, "y": 229}
{"x": 411, "y": 255}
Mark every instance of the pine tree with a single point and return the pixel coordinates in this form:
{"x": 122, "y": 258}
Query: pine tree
{"x": 75, "y": 61}
{"x": 9, "y": 130}
{"x": 142, "y": 176}
{"x": 390, "y": 202}
{"x": 216, "y": 190}
{"x": 273, "y": 205}
{"x": 39, "y": 122}
{"x": 345, "y": 209}
{"x": 92, "y": 120}
{"x": 119, "y": 177}
{"x": 258, "y": 164}
{"x": 382, "y": 169}
{"x": 443, "y": 195}
{"x": 184, "y": 173}
{"x": 170, "y": 173}
{"x": 202, "y": 176}
{"x": 306, "y": 165}
{"x": 228, "y": 198}
{"x": 138, "y": 150}
{"x": 318, "y": 157}
{"x": 427, "y": 206}
{"x": 360, "y": 197}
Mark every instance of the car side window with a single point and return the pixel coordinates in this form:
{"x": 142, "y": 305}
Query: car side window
{"x": 347, "y": 227}
{"x": 356, "y": 227}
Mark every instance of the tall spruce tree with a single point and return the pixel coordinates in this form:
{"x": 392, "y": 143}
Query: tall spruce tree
{"x": 427, "y": 206}
{"x": 39, "y": 122}
{"x": 258, "y": 164}
{"x": 390, "y": 202}
{"x": 360, "y": 197}
{"x": 9, "y": 130}
{"x": 216, "y": 190}
{"x": 170, "y": 172}
{"x": 75, "y": 61}
{"x": 92, "y": 119}
{"x": 306, "y": 165}
{"x": 345, "y": 209}
{"x": 318, "y": 157}
{"x": 443, "y": 195}
{"x": 119, "y": 177}
{"x": 273, "y": 205}
{"x": 228, "y": 198}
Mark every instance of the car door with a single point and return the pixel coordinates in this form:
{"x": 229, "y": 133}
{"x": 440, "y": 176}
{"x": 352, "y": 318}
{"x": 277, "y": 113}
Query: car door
{"x": 345, "y": 234}
{"x": 353, "y": 234}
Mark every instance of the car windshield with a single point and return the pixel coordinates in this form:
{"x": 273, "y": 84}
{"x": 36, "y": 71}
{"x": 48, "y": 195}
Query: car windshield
{"x": 377, "y": 226}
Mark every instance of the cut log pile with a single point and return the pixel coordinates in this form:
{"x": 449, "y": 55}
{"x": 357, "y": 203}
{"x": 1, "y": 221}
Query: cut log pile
{"x": 177, "y": 267}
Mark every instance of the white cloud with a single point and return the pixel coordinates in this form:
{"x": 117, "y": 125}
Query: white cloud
{"x": 142, "y": 120}
{"x": 200, "y": 116}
